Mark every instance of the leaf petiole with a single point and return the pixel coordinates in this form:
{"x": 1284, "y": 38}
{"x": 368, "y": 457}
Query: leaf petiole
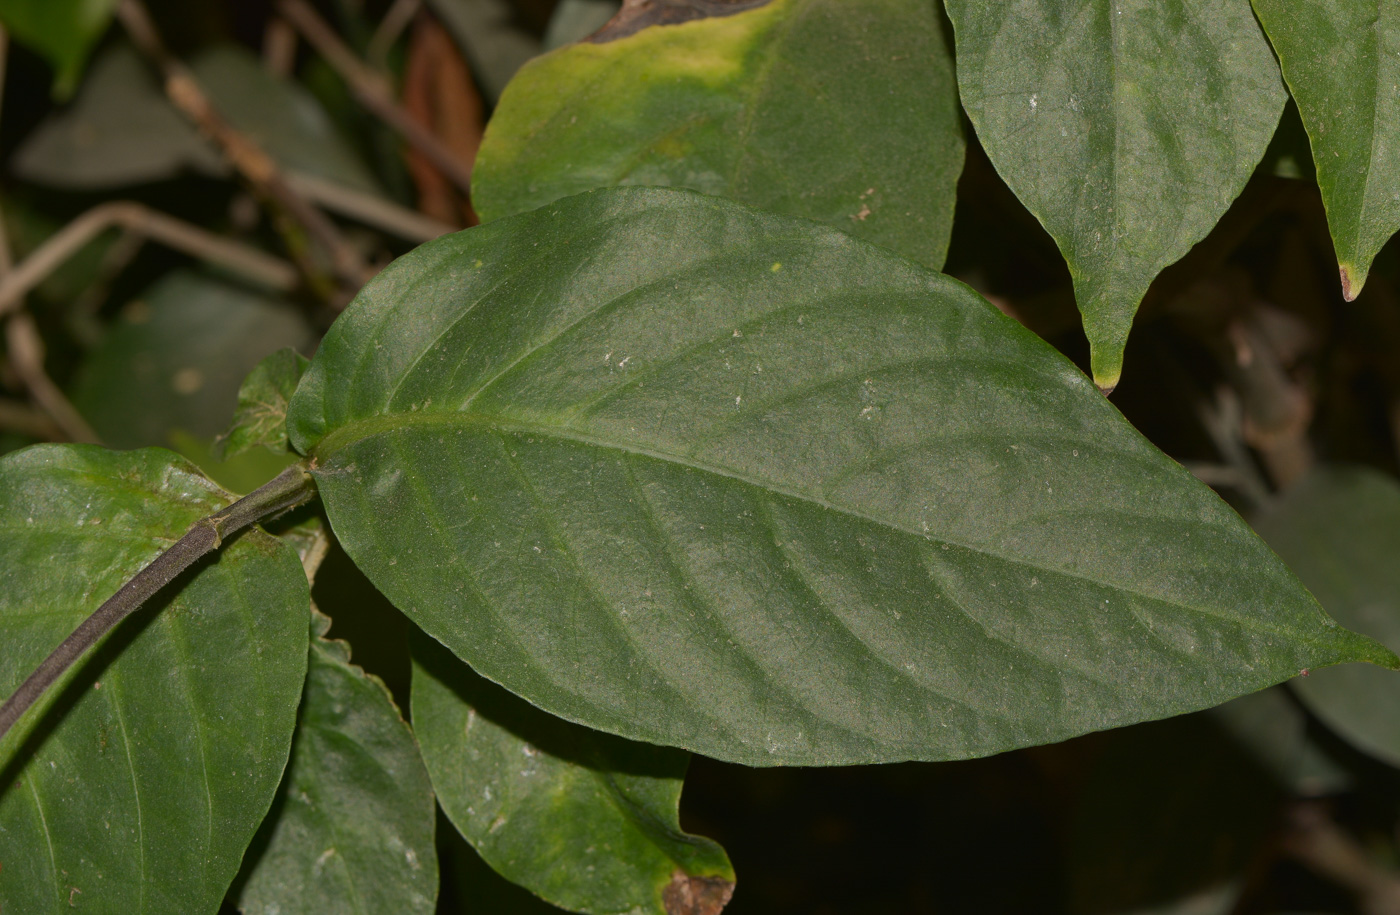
{"x": 293, "y": 487}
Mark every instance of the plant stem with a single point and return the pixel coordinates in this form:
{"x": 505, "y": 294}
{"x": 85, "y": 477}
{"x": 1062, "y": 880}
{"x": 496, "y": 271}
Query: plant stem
{"x": 289, "y": 489}
{"x": 256, "y": 265}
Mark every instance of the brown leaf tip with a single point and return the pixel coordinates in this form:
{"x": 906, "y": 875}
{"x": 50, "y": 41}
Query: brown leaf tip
{"x": 636, "y": 15}
{"x": 687, "y": 895}
{"x": 1348, "y": 293}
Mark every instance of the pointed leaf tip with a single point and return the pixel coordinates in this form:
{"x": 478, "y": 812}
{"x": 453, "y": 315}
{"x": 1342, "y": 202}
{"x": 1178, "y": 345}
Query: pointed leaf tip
{"x": 617, "y": 464}
{"x": 1351, "y": 283}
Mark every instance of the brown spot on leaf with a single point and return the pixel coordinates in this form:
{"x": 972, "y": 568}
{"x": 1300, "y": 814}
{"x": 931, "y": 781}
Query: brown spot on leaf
{"x": 636, "y": 15}
{"x": 1347, "y": 292}
{"x": 687, "y": 895}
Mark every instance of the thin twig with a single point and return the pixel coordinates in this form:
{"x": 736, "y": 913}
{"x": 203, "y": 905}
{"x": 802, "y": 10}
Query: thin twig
{"x": 279, "y": 47}
{"x": 291, "y": 488}
{"x": 1315, "y": 840}
{"x": 390, "y": 29}
{"x": 255, "y": 165}
{"x": 1222, "y": 421}
{"x": 4, "y": 58}
{"x": 373, "y": 90}
{"x": 83, "y": 322}
{"x": 256, "y": 265}
{"x": 24, "y": 420}
{"x": 369, "y": 209}
{"x": 26, "y": 351}
{"x": 22, "y": 342}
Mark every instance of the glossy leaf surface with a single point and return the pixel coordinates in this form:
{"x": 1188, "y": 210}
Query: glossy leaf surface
{"x": 137, "y": 783}
{"x": 707, "y": 477}
{"x": 63, "y": 31}
{"x": 1341, "y": 59}
{"x": 587, "y": 821}
{"x": 1126, "y": 128}
{"x": 1340, "y": 531}
{"x": 842, "y": 111}
{"x": 352, "y": 828}
{"x": 261, "y": 415}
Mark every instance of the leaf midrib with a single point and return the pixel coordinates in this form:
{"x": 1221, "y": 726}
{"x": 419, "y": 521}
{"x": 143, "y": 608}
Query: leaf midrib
{"x": 356, "y": 431}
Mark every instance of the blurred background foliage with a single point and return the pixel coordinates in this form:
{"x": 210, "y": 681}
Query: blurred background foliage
{"x": 1245, "y": 365}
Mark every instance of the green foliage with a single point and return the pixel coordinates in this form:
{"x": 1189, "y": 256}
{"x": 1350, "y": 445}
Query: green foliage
{"x": 121, "y": 130}
{"x": 260, "y": 419}
{"x": 757, "y": 107}
{"x": 175, "y": 358}
{"x": 64, "y": 31}
{"x": 689, "y": 450}
{"x": 585, "y": 820}
{"x": 1340, "y": 58}
{"x": 1127, "y": 160}
{"x": 352, "y": 828}
{"x": 1340, "y": 530}
{"x": 140, "y": 781}
{"x": 624, "y": 428}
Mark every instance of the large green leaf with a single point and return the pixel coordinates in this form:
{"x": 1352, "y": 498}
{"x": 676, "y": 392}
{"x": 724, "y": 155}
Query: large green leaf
{"x": 842, "y": 111}
{"x": 175, "y": 358}
{"x": 586, "y": 820}
{"x": 1340, "y": 531}
{"x": 1126, "y": 128}
{"x": 352, "y": 829}
{"x": 63, "y": 31}
{"x": 739, "y": 483}
{"x": 139, "y": 780}
{"x": 1341, "y": 59}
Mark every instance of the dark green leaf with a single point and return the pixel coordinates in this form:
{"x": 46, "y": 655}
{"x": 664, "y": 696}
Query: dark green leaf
{"x": 707, "y": 477}
{"x": 1340, "y": 531}
{"x": 1341, "y": 59}
{"x": 281, "y": 116}
{"x": 575, "y": 20}
{"x": 63, "y": 31}
{"x": 261, "y": 415}
{"x": 137, "y": 783}
{"x": 1273, "y": 728}
{"x": 842, "y": 111}
{"x": 176, "y": 357}
{"x": 1127, "y": 129}
{"x": 352, "y": 829}
{"x": 586, "y": 820}
{"x": 1170, "y": 818}
{"x": 120, "y": 130}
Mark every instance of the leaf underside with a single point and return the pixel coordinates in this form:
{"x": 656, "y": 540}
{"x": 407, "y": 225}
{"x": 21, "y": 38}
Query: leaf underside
{"x": 137, "y": 783}
{"x": 1127, "y": 129}
{"x": 585, "y": 820}
{"x": 706, "y": 477}
{"x": 759, "y": 106}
